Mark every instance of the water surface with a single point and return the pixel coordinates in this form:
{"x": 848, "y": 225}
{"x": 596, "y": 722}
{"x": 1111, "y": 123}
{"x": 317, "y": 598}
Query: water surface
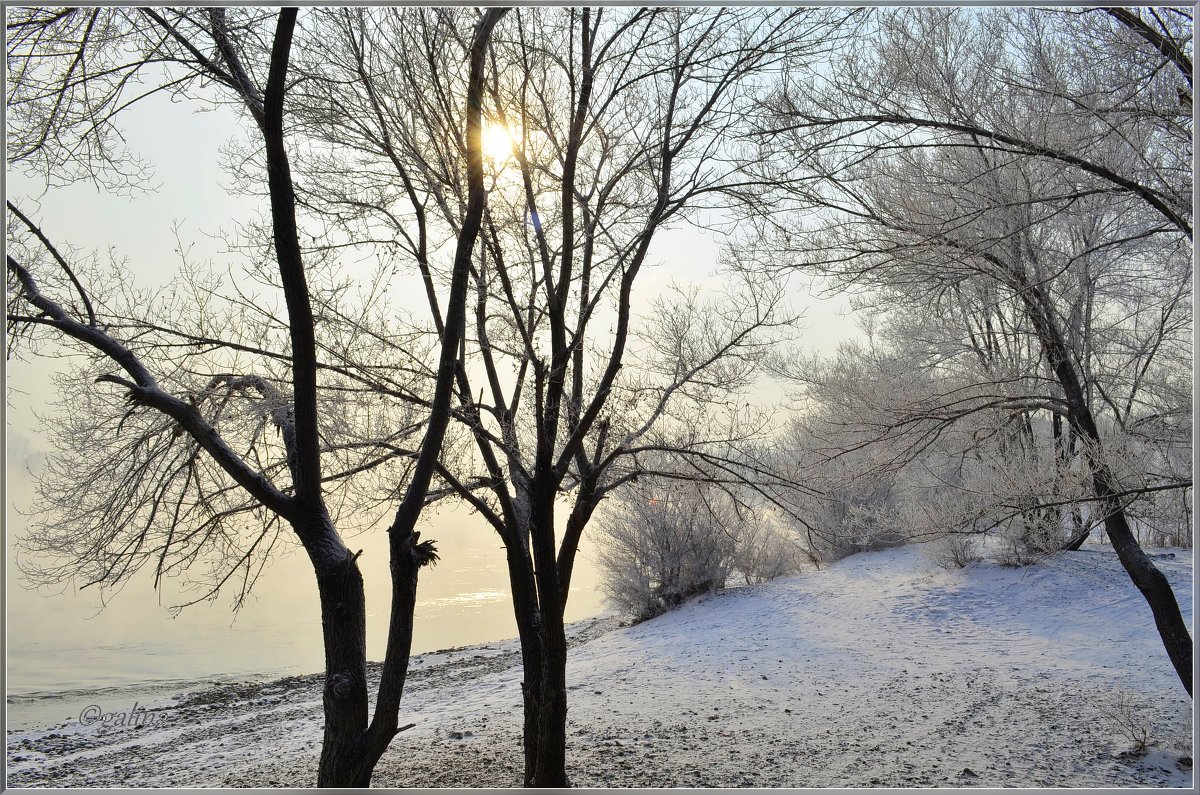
{"x": 65, "y": 650}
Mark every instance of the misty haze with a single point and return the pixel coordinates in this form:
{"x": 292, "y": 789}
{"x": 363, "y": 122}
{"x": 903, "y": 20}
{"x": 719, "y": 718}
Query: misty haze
{"x": 599, "y": 396}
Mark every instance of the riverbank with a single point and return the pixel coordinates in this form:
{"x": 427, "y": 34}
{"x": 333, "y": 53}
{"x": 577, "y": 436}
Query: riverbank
{"x": 880, "y": 670}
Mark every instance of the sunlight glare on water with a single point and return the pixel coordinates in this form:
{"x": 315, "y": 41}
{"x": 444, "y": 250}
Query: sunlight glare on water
{"x": 62, "y": 646}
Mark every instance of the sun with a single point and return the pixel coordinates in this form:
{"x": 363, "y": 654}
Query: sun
{"x": 497, "y": 141}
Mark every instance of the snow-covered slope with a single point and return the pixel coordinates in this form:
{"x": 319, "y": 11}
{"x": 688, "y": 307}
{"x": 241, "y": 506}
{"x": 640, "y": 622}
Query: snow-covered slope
{"x": 890, "y": 671}
{"x": 880, "y": 670}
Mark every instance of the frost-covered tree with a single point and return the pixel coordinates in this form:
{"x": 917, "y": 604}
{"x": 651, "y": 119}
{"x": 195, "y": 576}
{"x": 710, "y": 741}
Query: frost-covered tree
{"x": 900, "y": 445}
{"x": 1023, "y": 175}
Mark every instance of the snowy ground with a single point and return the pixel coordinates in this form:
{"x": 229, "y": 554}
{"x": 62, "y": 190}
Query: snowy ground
{"x": 881, "y": 670}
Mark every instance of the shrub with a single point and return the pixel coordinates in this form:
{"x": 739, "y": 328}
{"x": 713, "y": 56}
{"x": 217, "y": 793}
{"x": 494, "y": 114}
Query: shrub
{"x": 1125, "y": 714}
{"x": 660, "y": 547}
{"x": 849, "y": 525}
{"x": 763, "y": 551}
{"x": 666, "y": 541}
{"x": 1031, "y": 537}
{"x": 1014, "y": 551}
{"x": 954, "y": 551}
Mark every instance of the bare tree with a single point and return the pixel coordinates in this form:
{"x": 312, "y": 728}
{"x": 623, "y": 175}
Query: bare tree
{"x": 192, "y": 464}
{"x": 614, "y": 125}
{"x": 1000, "y": 151}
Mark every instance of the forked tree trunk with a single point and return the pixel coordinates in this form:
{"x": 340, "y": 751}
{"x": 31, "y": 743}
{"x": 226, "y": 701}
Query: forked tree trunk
{"x": 352, "y": 746}
{"x": 1145, "y": 575}
{"x": 538, "y": 604}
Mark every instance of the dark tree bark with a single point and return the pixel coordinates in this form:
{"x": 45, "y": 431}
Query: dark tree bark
{"x": 352, "y": 748}
{"x": 343, "y": 627}
{"x": 525, "y": 608}
{"x": 351, "y": 745}
{"x": 549, "y": 763}
{"x": 540, "y": 601}
{"x": 339, "y": 582}
{"x": 544, "y": 275}
{"x": 1145, "y": 575}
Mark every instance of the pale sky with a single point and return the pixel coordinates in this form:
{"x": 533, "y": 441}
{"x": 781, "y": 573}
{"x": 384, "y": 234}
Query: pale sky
{"x": 50, "y": 637}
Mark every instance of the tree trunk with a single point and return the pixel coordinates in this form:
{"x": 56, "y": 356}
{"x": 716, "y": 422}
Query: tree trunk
{"x": 529, "y": 622}
{"x": 343, "y": 625}
{"x": 1076, "y": 542}
{"x": 1187, "y": 519}
{"x": 531, "y": 687}
{"x": 549, "y": 768}
{"x": 351, "y": 748}
{"x": 538, "y": 601}
{"x": 544, "y": 692}
{"x": 339, "y": 582}
{"x": 532, "y": 661}
{"x": 1149, "y": 580}
{"x": 1063, "y": 453}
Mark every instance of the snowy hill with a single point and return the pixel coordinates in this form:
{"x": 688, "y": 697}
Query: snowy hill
{"x": 880, "y": 670}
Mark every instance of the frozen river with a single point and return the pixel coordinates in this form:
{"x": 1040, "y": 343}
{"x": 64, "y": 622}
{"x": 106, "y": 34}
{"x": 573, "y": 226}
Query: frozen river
{"x": 62, "y": 646}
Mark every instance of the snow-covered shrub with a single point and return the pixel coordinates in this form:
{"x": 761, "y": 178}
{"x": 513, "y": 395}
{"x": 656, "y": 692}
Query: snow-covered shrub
{"x": 1028, "y": 538}
{"x": 856, "y": 521}
{"x": 663, "y": 541}
{"x": 1016, "y": 548}
{"x": 848, "y": 504}
{"x": 763, "y": 550}
{"x": 659, "y": 546}
{"x": 954, "y": 551}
